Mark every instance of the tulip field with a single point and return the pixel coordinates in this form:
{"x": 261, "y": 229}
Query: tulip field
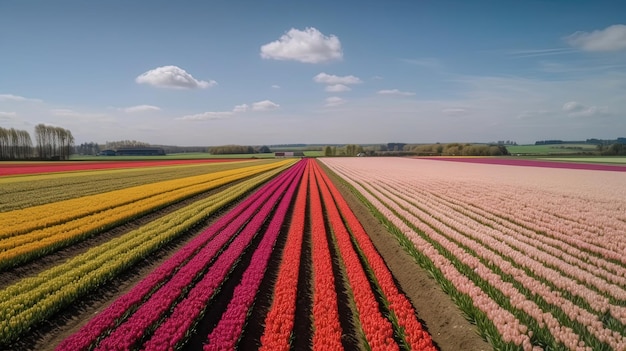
{"x": 288, "y": 267}
{"x": 274, "y": 255}
{"x": 535, "y": 256}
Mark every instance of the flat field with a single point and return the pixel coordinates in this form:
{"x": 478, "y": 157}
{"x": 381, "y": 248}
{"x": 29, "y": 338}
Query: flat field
{"x": 335, "y": 253}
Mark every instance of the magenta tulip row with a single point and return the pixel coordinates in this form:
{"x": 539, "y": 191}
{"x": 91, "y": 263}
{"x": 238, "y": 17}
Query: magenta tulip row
{"x": 155, "y": 294}
{"x": 229, "y": 328}
{"x": 517, "y": 229}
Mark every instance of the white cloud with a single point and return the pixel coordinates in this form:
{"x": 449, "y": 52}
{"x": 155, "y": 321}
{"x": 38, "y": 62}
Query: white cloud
{"x": 265, "y": 105}
{"x": 141, "y": 108}
{"x": 334, "y": 101}
{"x": 172, "y": 77}
{"x": 276, "y": 86}
{"x": 241, "y": 108}
{"x": 612, "y": 38}
{"x": 574, "y": 108}
{"x": 7, "y": 115}
{"x": 309, "y": 46}
{"x": 333, "y": 79}
{"x": 206, "y": 116}
{"x": 11, "y": 97}
{"x": 395, "y": 92}
{"x": 337, "y": 88}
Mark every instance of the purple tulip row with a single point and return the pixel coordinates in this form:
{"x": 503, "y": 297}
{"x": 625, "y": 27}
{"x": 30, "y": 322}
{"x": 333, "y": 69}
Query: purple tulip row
{"x": 173, "y": 330}
{"x": 157, "y": 282}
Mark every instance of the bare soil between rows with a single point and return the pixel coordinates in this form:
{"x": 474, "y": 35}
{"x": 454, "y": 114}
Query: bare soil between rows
{"x": 449, "y": 329}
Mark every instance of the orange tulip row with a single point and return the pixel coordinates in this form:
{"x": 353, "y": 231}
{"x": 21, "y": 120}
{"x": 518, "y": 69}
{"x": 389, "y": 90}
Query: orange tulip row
{"x": 326, "y": 327}
{"x": 280, "y": 318}
{"x": 411, "y": 330}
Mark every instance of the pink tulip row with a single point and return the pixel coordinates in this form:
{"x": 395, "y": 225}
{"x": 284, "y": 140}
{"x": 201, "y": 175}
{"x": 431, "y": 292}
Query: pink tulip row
{"x": 586, "y": 276}
{"x": 466, "y": 215}
{"x": 230, "y": 326}
{"x": 562, "y": 274}
{"x": 227, "y": 225}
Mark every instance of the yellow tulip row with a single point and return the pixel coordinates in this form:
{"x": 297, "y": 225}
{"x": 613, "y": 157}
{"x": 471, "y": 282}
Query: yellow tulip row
{"x": 27, "y": 191}
{"x": 34, "y": 299}
{"x": 21, "y": 248}
{"x": 22, "y": 221}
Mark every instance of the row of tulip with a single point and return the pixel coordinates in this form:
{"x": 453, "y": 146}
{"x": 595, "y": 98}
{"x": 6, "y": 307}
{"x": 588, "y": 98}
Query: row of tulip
{"x": 185, "y": 313}
{"x": 129, "y": 302}
{"x": 27, "y": 191}
{"x": 402, "y": 313}
{"x": 555, "y": 298}
{"x": 578, "y": 293}
{"x": 228, "y": 330}
{"x": 392, "y": 326}
{"x": 377, "y": 330}
{"x": 33, "y": 299}
{"x": 18, "y": 222}
{"x": 128, "y": 317}
{"x": 21, "y": 248}
{"x": 280, "y": 319}
{"x": 327, "y": 330}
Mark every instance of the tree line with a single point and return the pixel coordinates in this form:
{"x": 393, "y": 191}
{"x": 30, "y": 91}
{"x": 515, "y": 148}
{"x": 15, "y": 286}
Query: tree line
{"x": 15, "y": 144}
{"x": 237, "y": 149}
{"x": 53, "y": 143}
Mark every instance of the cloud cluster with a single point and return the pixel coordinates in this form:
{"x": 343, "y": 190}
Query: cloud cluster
{"x": 172, "y": 77}
{"x": 141, "y": 108}
{"x": 334, "y": 101}
{"x": 265, "y": 105}
{"x": 395, "y": 92}
{"x": 7, "y": 115}
{"x": 612, "y": 38}
{"x": 308, "y": 46}
{"x": 574, "y": 108}
{"x": 336, "y": 84}
{"x": 11, "y": 97}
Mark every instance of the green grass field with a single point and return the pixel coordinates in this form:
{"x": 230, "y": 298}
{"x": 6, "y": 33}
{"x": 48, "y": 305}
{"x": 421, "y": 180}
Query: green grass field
{"x": 553, "y": 149}
{"x": 599, "y": 159}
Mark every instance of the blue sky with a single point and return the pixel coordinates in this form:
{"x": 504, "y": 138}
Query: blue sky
{"x": 275, "y": 72}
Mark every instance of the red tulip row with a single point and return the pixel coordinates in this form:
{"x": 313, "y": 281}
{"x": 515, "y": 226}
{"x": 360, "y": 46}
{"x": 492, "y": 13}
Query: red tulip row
{"x": 193, "y": 258}
{"x": 229, "y": 328}
{"x": 280, "y": 318}
{"x": 326, "y": 326}
{"x": 378, "y": 330}
{"x": 415, "y": 337}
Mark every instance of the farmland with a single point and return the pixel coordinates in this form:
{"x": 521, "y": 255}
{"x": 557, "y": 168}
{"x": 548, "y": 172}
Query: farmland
{"x": 352, "y": 253}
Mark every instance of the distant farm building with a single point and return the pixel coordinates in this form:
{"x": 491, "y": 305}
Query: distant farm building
{"x": 288, "y": 154}
{"x": 107, "y": 153}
